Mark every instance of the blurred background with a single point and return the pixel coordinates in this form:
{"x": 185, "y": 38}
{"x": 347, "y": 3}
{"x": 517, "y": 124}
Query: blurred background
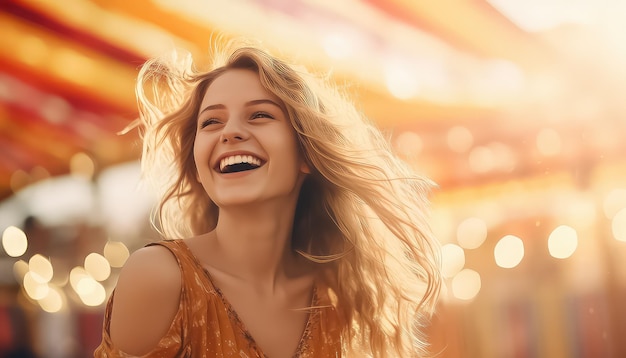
{"x": 513, "y": 107}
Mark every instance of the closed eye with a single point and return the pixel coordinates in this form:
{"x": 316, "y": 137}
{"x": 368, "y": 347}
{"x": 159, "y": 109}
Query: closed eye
{"x": 208, "y": 122}
{"x": 257, "y": 115}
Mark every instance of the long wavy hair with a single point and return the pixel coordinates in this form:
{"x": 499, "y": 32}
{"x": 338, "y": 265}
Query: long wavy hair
{"x": 361, "y": 212}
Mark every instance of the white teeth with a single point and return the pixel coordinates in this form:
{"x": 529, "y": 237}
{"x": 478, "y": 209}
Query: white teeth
{"x": 236, "y": 159}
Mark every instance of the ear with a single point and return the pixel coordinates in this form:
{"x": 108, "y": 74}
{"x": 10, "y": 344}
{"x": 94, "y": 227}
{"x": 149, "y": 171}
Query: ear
{"x": 304, "y": 167}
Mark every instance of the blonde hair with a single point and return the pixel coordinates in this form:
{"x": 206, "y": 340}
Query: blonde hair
{"x": 361, "y": 212}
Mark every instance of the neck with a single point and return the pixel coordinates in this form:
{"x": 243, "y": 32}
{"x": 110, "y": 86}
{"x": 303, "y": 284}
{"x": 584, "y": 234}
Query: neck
{"x": 258, "y": 240}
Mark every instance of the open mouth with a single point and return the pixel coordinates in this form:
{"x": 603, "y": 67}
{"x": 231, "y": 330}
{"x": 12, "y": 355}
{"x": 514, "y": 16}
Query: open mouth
{"x": 239, "y": 167}
{"x": 239, "y": 163}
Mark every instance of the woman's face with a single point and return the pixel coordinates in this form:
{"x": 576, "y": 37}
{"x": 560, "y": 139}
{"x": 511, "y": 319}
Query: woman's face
{"x": 245, "y": 149}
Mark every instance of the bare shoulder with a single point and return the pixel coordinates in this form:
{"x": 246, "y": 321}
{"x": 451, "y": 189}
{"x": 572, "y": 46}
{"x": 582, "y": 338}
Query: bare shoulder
{"x": 146, "y": 300}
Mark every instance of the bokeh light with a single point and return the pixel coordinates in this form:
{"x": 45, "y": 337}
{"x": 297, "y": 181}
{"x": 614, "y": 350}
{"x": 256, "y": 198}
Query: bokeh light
{"x": 82, "y": 165}
{"x": 471, "y": 233}
{"x": 40, "y": 268}
{"x": 503, "y": 156}
{"x": 116, "y": 253}
{"x": 618, "y": 225}
{"x": 562, "y": 242}
{"x": 549, "y": 142}
{"x": 76, "y": 275}
{"x": 460, "y": 139}
{"x": 53, "y": 301}
{"x": 409, "y": 143}
{"x": 14, "y": 241}
{"x": 97, "y": 266}
{"x": 91, "y": 292}
{"x": 453, "y": 259}
{"x": 466, "y": 284}
{"x": 481, "y": 159}
{"x": 509, "y": 251}
{"x": 35, "y": 289}
{"x": 401, "y": 78}
{"x": 20, "y": 269}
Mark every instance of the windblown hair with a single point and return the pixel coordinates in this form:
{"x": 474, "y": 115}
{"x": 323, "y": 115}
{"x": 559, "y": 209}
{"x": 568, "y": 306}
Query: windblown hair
{"x": 361, "y": 212}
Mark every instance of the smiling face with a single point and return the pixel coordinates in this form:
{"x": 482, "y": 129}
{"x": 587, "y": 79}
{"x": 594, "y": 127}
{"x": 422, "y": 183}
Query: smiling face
{"x": 245, "y": 149}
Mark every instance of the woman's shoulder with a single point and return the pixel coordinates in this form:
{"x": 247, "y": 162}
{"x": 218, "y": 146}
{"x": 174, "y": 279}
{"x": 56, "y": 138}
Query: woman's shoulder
{"x": 146, "y": 299}
{"x": 152, "y": 267}
{"x": 156, "y": 266}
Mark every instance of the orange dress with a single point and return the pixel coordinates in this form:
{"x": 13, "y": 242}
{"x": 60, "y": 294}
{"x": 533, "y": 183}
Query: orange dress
{"x": 206, "y": 325}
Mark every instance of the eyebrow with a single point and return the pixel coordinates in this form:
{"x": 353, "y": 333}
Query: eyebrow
{"x": 247, "y": 104}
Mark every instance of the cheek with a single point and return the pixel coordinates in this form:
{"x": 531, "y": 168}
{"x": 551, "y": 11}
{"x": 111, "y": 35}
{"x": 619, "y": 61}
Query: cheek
{"x": 201, "y": 154}
{"x": 202, "y": 146}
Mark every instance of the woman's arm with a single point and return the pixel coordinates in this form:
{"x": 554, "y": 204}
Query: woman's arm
{"x": 146, "y": 300}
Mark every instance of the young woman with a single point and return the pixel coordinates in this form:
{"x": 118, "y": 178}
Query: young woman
{"x": 292, "y": 230}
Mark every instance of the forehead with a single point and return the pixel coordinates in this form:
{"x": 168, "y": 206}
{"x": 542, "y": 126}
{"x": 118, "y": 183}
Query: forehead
{"x": 236, "y": 86}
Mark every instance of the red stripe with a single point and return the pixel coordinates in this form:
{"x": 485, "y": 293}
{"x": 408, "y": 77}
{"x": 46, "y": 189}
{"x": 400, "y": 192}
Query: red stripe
{"x": 75, "y": 35}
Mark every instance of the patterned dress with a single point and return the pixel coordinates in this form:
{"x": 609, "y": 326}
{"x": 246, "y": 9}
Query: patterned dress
{"x": 206, "y": 325}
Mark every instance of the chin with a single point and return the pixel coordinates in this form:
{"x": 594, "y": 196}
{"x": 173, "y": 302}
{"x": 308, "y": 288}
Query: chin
{"x": 234, "y": 201}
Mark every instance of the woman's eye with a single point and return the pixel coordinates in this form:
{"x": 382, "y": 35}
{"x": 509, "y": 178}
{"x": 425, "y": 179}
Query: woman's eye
{"x": 208, "y": 122}
{"x": 256, "y": 115}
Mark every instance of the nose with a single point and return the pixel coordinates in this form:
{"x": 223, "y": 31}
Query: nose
{"x": 233, "y": 131}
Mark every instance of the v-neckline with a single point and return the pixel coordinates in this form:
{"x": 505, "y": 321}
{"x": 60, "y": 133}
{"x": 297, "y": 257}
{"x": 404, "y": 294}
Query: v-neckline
{"x": 237, "y": 319}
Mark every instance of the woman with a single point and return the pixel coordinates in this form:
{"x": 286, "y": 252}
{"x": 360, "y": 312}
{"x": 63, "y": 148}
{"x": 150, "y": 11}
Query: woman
{"x": 292, "y": 230}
